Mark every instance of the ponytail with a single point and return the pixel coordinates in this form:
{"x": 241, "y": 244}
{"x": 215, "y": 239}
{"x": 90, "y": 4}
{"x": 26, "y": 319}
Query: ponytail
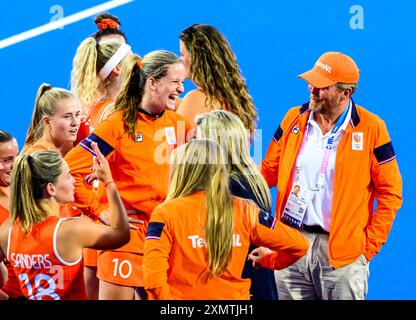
{"x": 219, "y": 226}
{"x": 89, "y": 59}
{"x": 30, "y": 175}
{"x": 199, "y": 165}
{"x": 46, "y": 102}
{"x": 84, "y": 74}
{"x": 131, "y": 92}
{"x": 35, "y": 130}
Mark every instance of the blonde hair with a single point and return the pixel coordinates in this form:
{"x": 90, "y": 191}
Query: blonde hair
{"x": 30, "y": 175}
{"x": 227, "y": 129}
{"x": 46, "y": 104}
{"x": 134, "y": 76}
{"x": 215, "y": 70}
{"x": 199, "y": 166}
{"x": 89, "y": 59}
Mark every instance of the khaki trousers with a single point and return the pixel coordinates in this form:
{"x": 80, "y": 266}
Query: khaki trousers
{"x": 312, "y": 277}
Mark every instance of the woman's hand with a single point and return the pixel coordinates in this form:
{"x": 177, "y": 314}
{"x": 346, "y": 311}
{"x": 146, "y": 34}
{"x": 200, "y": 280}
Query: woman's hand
{"x": 257, "y": 255}
{"x": 102, "y": 168}
{"x": 105, "y": 219}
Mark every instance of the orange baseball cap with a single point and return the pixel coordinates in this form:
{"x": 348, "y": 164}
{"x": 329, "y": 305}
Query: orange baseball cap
{"x": 331, "y": 68}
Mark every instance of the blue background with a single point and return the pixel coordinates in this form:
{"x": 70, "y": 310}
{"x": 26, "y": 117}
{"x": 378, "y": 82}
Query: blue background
{"x": 274, "y": 42}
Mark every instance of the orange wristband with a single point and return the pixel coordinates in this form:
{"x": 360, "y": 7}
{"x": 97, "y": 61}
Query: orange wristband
{"x": 107, "y": 183}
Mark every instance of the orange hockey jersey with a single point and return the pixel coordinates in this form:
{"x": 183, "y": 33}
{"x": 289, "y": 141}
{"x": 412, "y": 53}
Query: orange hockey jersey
{"x": 12, "y": 287}
{"x": 66, "y": 210}
{"x": 139, "y": 165}
{"x": 98, "y": 113}
{"x": 42, "y": 273}
{"x": 175, "y": 262}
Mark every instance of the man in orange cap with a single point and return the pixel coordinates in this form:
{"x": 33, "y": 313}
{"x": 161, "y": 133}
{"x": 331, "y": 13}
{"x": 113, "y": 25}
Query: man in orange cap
{"x": 341, "y": 157}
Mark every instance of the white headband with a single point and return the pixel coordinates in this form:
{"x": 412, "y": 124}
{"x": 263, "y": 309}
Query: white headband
{"x": 114, "y": 61}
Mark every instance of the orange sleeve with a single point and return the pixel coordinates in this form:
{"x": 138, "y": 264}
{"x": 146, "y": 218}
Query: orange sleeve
{"x": 287, "y": 243}
{"x": 83, "y": 131}
{"x": 157, "y": 248}
{"x": 388, "y": 191}
{"x": 269, "y": 167}
{"x": 80, "y": 162}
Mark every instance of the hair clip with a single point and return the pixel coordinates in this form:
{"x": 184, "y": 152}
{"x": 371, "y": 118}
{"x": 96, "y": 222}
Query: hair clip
{"x": 139, "y": 64}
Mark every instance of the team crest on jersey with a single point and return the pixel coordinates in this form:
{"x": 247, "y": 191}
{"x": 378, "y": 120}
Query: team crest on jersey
{"x": 170, "y": 135}
{"x": 357, "y": 141}
{"x": 295, "y": 129}
{"x": 139, "y": 137}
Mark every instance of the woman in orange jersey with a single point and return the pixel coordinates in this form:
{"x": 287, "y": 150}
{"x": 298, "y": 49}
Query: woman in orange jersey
{"x": 54, "y": 126}
{"x": 45, "y": 250}
{"x": 8, "y": 153}
{"x": 95, "y": 79}
{"x": 197, "y": 240}
{"x": 137, "y": 140}
{"x": 212, "y": 66}
{"x": 95, "y": 76}
{"x": 246, "y": 181}
{"x": 55, "y": 121}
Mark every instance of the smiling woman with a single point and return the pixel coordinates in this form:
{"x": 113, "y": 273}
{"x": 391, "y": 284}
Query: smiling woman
{"x": 165, "y": 85}
{"x": 8, "y": 152}
{"x": 41, "y": 246}
{"x": 131, "y": 138}
{"x": 55, "y": 121}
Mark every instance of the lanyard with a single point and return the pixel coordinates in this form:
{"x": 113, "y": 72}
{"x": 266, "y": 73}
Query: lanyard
{"x": 321, "y": 177}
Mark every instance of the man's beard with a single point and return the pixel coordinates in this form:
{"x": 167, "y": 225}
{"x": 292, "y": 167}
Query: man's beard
{"x": 323, "y": 107}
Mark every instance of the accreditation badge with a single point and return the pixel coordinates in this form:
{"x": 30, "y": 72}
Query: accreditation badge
{"x": 170, "y": 135}
{"x": 296, "y": 205}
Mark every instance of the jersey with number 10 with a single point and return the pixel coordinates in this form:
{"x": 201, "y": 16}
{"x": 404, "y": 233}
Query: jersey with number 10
{"x": 42, "y": 273}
